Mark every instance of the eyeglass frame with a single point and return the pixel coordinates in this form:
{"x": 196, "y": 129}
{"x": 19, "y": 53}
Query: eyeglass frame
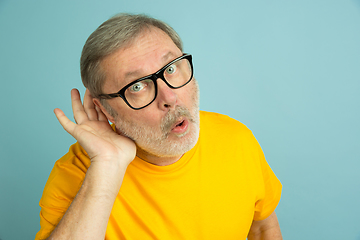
{"x": 153, "y": 77}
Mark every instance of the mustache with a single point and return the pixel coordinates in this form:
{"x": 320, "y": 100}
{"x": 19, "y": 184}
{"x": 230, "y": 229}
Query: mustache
{"x": 172, "y": 117}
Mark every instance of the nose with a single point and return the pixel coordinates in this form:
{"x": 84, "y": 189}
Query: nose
{"x": 166, "y": 96}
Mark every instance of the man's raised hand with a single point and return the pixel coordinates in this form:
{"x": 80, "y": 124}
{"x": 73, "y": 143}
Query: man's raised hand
{"x": 94, "y": 133}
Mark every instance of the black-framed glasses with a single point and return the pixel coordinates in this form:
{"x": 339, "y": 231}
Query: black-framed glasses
{"x": 142, "y": 92}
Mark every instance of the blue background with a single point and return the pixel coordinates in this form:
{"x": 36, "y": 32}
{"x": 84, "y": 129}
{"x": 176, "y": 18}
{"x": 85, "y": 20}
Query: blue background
{"x": 289, "y": 70}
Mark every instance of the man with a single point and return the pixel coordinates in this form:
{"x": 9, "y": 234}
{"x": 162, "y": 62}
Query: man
{"x": 163, "y": 170}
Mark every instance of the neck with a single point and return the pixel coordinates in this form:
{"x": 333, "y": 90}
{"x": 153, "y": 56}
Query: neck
{"x": 156, "y": 160}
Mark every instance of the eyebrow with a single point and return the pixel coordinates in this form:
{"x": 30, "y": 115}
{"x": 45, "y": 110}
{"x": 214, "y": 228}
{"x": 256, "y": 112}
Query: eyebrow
{"x": 165, "y": 58}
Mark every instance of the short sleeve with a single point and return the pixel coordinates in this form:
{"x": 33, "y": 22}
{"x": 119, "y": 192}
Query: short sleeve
{"x": 61, "y": 188}
{"x": 271, "y": 189}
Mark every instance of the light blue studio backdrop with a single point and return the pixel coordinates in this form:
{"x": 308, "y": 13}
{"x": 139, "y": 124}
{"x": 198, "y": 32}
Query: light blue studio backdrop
{"x": 289, "y": 70}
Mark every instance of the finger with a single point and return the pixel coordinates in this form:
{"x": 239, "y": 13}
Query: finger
{"x": 78, "y": 109}
{"x": 68, "y": 125}
{"x": 89, "y": 106}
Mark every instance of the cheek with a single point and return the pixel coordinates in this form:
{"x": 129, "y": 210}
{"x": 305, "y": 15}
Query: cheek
{"x": 147, "y": 117}
{"x": 191, "y": 95}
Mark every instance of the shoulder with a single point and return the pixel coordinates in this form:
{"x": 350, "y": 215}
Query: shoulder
{"x": 223, "y": 132}
{"x": 222, "y": 124}
{"x": 76, "y": 157}
{"x": 76, "y": 160}
{"x": 69, "y": 171}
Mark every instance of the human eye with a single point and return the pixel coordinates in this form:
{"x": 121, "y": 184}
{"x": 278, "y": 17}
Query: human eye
{"x": 171, "y": 69}
{"x": 137, "y": 87}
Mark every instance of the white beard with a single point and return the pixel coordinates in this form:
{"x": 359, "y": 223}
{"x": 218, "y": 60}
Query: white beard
{"x": 155, "y": 141}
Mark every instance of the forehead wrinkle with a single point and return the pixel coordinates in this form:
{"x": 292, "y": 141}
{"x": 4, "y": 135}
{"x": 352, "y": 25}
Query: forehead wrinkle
{"x": 136, "y": 74}
{"x": 144, "y": 44}
{"x": 168, "y": 57}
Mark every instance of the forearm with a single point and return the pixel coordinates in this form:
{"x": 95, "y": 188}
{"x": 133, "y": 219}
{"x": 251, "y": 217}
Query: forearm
{"x": 266, "y": 235}
{"x": 88, "y": 215}
{"x": 267, "y": 229}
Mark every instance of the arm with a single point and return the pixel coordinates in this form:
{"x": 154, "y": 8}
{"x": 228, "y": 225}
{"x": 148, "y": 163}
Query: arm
{"x": 267, "y": 229}
{"x": 110, "y": 153}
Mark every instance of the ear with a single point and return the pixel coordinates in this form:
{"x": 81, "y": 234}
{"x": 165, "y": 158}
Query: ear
{"x": 103, "y": 110}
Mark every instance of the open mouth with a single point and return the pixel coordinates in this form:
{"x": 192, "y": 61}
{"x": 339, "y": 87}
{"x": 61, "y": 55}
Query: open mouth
{"x": 181, "y": 126}
{"x": 179, "y": 123}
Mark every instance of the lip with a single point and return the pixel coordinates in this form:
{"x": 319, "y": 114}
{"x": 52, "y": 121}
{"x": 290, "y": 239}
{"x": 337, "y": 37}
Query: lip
{"x": 181, "y": 126}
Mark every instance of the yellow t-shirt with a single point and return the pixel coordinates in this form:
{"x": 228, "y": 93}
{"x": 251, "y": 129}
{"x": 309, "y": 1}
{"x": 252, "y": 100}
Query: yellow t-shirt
{"x": 214, "y": 191}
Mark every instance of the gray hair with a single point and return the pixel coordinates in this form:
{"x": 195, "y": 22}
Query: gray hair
{"x": 118, "y": 32}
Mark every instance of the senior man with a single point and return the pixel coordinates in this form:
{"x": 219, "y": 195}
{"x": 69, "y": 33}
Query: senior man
{"x": 163, "y": 169}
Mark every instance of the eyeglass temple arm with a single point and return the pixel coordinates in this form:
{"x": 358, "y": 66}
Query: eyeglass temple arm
{"x": 109, "y": 96}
